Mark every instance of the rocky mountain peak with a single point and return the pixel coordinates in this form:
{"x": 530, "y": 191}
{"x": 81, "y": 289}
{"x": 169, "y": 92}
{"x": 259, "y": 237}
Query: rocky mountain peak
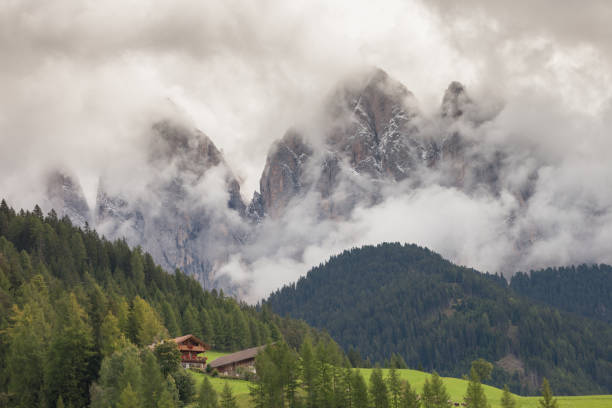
{"x": 282, "y": 178}
{"x": 455, "y": 101}
{"x": 66, "y": 197}
{"x": 375, "y": 131}
{"x": 174, "y": 217}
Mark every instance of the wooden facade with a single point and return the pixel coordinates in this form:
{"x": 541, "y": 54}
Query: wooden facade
{"x": 228, "y": 365}
{"x": 191, "y": 347}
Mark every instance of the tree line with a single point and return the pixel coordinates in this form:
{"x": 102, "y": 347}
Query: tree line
{"x": 316, "y": 376}
{"x": 381, "y": 302}
{"x": 582, "y": 289}
{"x": 77, "y": 313}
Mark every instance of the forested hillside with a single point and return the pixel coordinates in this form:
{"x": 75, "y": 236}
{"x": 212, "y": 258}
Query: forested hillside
{"x": 77, "y": 309}
{"x": 404, "y": 299}
{"x": 585, "y": 289}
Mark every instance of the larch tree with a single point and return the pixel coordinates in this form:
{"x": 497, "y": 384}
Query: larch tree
{"x": 547, "y": 400}
{"x": 378, "y": 389}
{"x": 395, "y": 387}
{"x": 507, "y": 400}
{"x": 434, "y": 393}
{"x": 227, "y": 398}
{"x": 410, "y": 398}
{"x": 475, "y": 396}
{"x": 207, "y": 397}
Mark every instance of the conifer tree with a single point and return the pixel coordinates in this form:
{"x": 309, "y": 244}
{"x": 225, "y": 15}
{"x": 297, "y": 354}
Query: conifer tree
{"x": 507, "y": 400}
{"x": 146, "y": 326}
{"x": 153, "y": 384}
{"x": 409, "y": 399}
{"x": 68, "y": 369}
{"x": 360, "y": 391}
{"x": 128, "y": 398}
{"x": 547, "y": 400}
{"x": 170, "y": 321}
{"x": 25, "y": 360}
{"x": 185, "y": 385}
{"x": 434, "y": 393}
{"x": 168, "y": 356}
{"x": 345, "y": 389}
{"x": 475, "y": 396}
{"x": 208, "y": 334}
{"x": 166, "y": 400}
{"x": 378, "y": 389}
{"x": 207, "y": 397}
{"x": 227, "y": 398}
{"x": 395, "y": 388}
{"x": 111, "y": 338}
{"x": 309, "y": 372}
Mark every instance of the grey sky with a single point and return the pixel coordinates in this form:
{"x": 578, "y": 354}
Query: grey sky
{"x": 81, "y": 81}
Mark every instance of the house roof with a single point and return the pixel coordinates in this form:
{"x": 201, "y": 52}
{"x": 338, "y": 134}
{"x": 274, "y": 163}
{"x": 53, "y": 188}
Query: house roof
{"x": 236, "y": 357}
{"x": 182, "y": 339}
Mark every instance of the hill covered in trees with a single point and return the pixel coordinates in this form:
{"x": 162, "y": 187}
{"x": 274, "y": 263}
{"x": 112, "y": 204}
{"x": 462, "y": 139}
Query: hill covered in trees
{"x": 77, "y": 312}
{"x": 404, "y": 299}
{"x": 583, "y": 289}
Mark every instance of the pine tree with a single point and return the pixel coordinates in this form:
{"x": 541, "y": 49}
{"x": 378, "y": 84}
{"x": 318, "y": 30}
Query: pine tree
{"x": 145, "y": 324}
{"x": 185, "y": 385}
{"x": 25, "y": 360}
{"x": 409, "y": 399}
{"x": 507, "y": 400}
{"x": 395, "y": 387}
{"x": 309, "y": 372}
{"x": 547, "y": 400}
{"x": 475, "y": 396}
{"x": 111, "y": 338}
{"x": 207, "y": 397}
{"x": 68, "y": 369}
{"x": 153, "y": 384}
{"x": 168, "y": 356}
{"x": 227, "y": 398}
{"x": 344, "y": 394}
{"x": 166, "y": 400}
{"x": 128, "y": 398}
{"x": 360, "y": 391}
{"x": 434, "y": 393}
{"x": 378, "y": 389}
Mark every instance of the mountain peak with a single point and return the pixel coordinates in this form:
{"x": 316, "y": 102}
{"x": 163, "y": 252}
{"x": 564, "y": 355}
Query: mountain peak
{"x": 454, "y": 101}
{"x": 66, "y": 197}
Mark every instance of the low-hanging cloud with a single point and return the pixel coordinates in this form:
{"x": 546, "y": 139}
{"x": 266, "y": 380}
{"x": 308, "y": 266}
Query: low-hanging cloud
{"x": 82, "y": 83}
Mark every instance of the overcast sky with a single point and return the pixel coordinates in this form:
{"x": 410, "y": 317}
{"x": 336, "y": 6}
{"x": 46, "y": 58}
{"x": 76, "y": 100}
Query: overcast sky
{"x": 80, "y": 78}
{"x": 81, "y": 82}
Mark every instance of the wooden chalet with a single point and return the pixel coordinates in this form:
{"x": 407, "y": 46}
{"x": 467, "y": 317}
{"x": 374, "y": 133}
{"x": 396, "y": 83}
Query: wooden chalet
{"x": 190, "y": 346}
{"x": 229, "y": 364}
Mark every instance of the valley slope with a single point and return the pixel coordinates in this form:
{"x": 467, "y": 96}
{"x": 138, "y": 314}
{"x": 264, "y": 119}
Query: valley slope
{"x": 404, "y": 299}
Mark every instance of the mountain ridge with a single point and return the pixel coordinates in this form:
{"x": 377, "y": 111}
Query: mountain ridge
{"x": 394, "y": 298}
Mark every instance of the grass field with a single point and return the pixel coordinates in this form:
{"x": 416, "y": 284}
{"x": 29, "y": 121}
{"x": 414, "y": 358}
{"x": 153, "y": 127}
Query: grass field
{"x": 456, "y": 388}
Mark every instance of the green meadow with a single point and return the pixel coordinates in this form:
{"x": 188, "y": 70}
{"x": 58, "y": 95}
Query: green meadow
{"x": 456, "y": 388}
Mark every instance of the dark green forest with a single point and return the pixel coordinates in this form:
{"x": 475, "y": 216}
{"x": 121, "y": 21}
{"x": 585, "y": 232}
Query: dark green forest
{"x": 392, "y": 298}
{"x": 585, "y": 289}
{"x": 77, "y": 312}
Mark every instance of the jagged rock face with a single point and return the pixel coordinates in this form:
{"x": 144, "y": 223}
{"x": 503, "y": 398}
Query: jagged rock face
{"x": 66, "y": 197}
{"x": 455, "y": 101}
{"x": 372, "y": 141}
{"x": 283, "y": 177}
{"x": 372, "y": 133}
{"x": 373, "y": 138}
{"x": 374, "y": 127}
{"x": 175, "y": 220}
{"x": 460, "y": 161}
